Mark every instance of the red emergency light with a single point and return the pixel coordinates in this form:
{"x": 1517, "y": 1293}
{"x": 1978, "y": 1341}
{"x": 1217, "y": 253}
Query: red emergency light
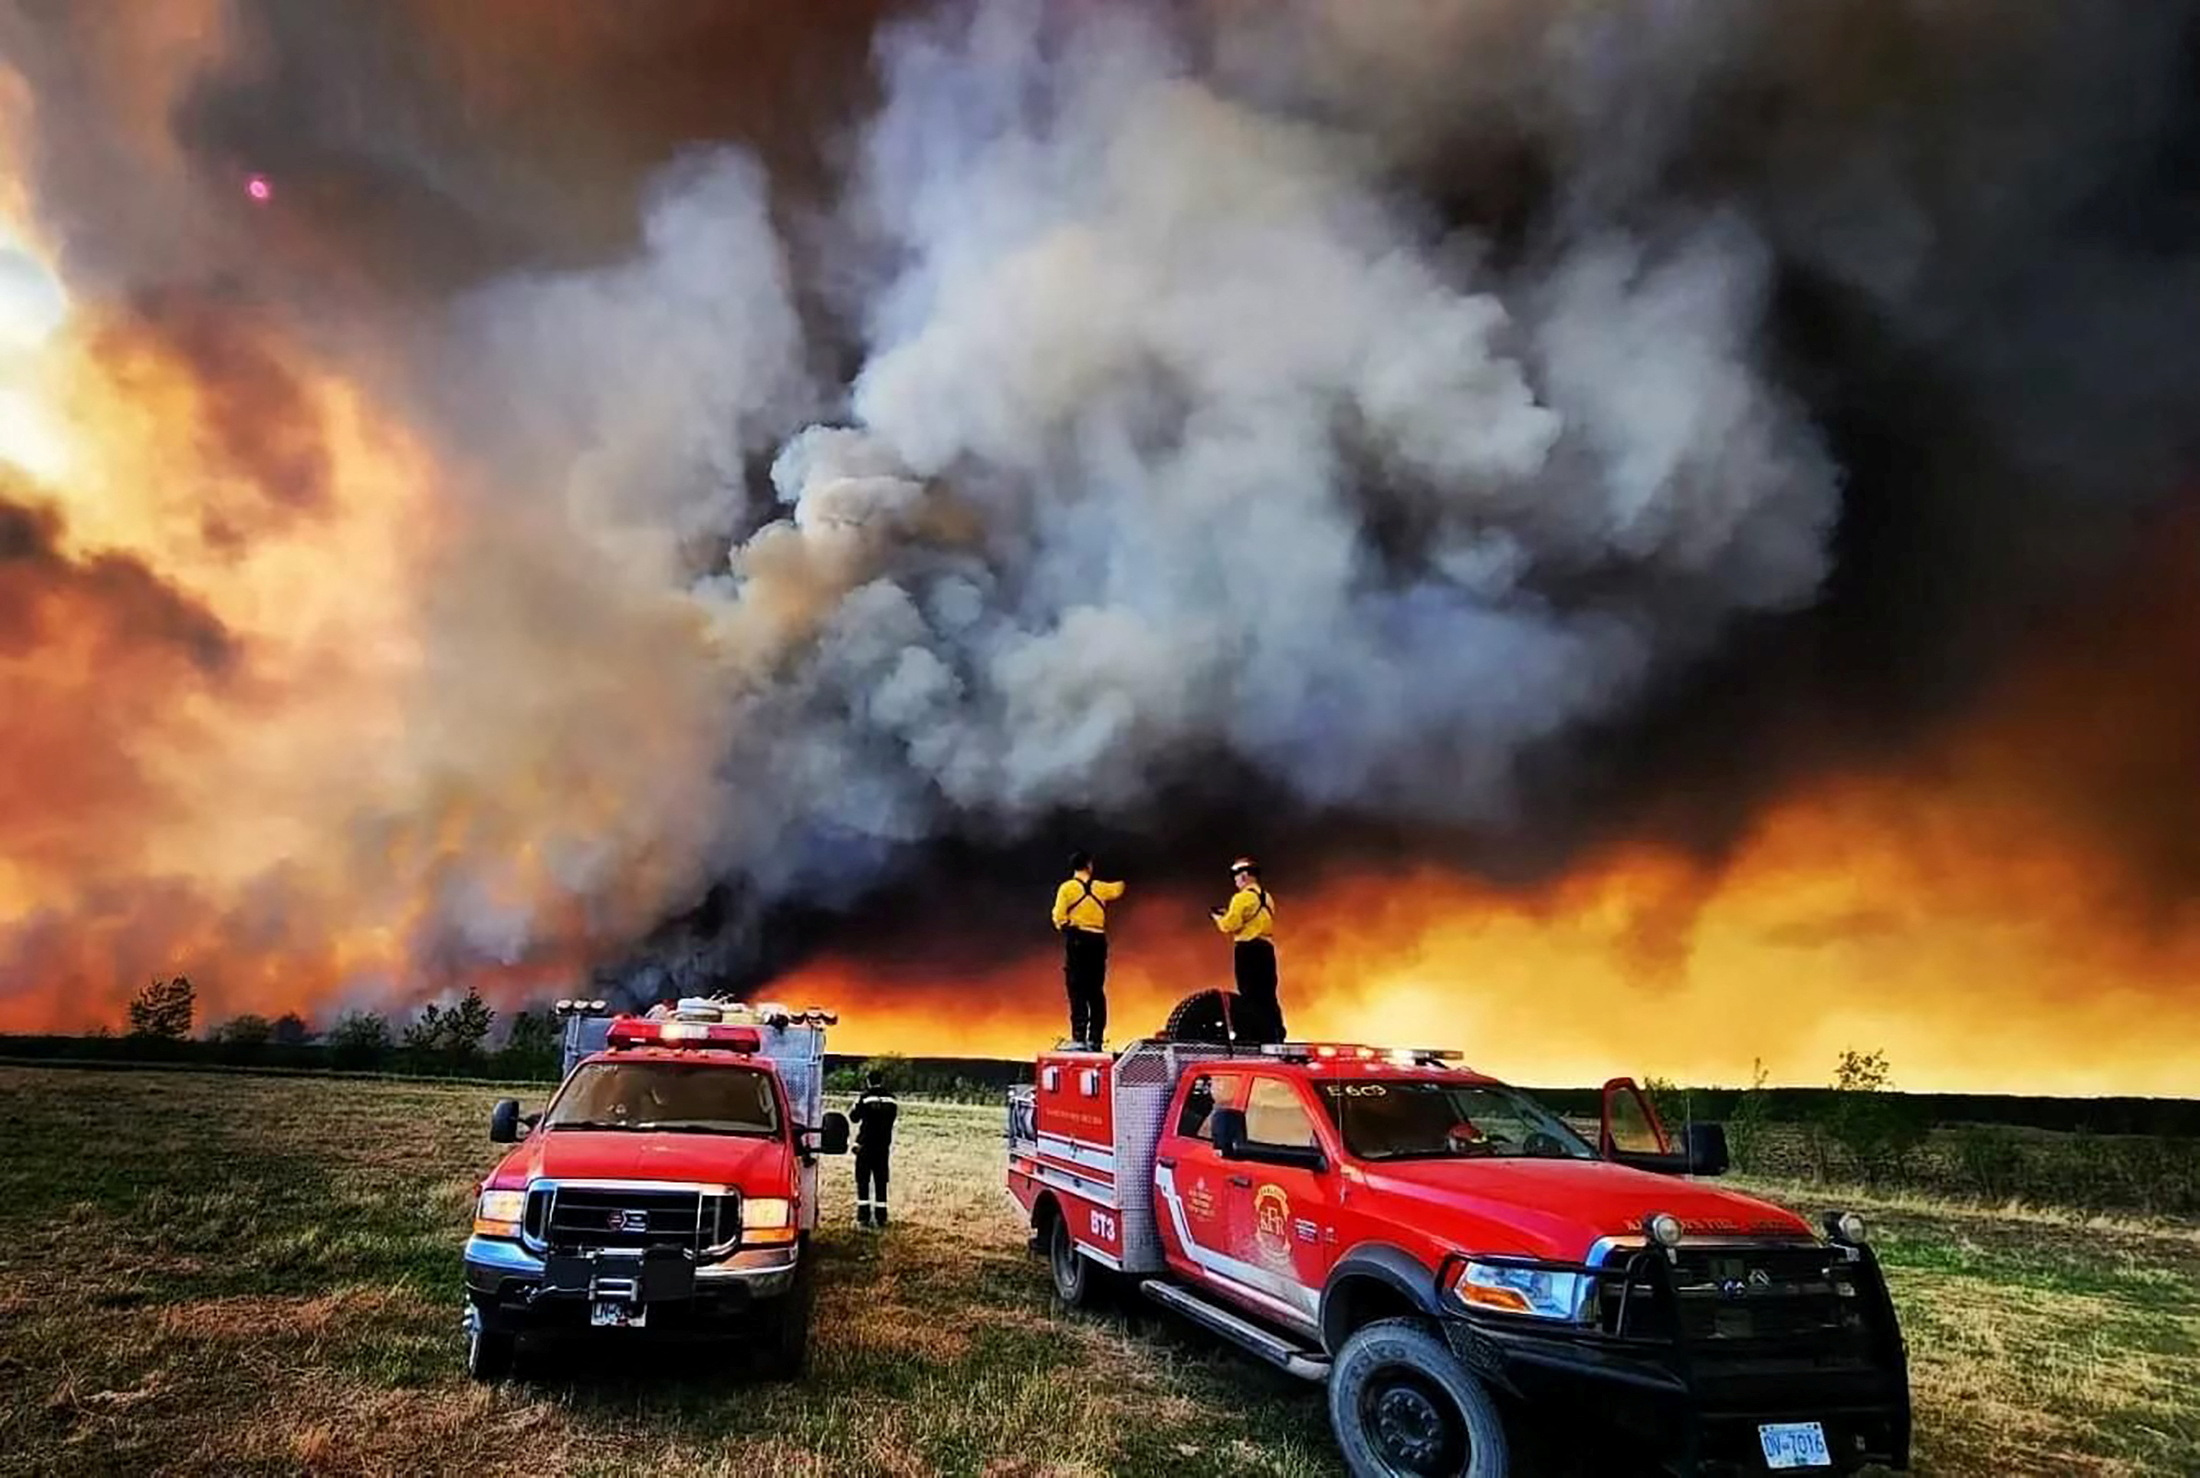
{"x": 1360, "y": 1052}
{"x": 641, "y": 1031}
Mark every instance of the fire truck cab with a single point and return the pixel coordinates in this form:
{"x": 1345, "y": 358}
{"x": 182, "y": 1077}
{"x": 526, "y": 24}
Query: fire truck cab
{"x": 670, "y": 1185}
{"x": 1467, "y": 1272}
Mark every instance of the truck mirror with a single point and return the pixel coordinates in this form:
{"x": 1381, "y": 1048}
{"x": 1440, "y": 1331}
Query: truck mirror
{"x": 504, "y": 1122}
{"x": 1707, "y": 1149}
{"x": 1228, "y": 1126}
{"x": 832, "y": 1138}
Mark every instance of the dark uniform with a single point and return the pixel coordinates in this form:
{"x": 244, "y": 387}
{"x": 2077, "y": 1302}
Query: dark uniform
{"x": 1081, "y": 914}
{"x": 1250, "y": 921}
{"x": 873, "y": 1117}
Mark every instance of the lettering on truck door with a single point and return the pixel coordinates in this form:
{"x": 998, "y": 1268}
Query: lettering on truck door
{"x": 1188, "y": 1175}
{"x": 1282, "y": 1218}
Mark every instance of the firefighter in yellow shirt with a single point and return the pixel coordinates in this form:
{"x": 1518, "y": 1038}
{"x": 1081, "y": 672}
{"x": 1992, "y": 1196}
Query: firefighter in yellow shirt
{"x": 1250, "y": 921}
{"x": 1081, "y": 917}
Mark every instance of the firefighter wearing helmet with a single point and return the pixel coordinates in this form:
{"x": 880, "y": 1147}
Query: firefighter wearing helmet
{"x": 1250, "y": 921}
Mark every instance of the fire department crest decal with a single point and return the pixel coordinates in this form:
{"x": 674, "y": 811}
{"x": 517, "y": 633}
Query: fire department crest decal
{"x": 1272, "y": 1223}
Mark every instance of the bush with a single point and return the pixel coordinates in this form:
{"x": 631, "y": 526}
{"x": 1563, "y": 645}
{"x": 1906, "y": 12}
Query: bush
{"x": 1988, "y": 1160}
{"x": 456, "y": 1034}
{"x": 1874, "y": 1129}
{"x": 247, "y": 1030}
{"x": 163, "y": 1010}
{"x": 1748, "y": 1141}
{"x": 359, "y": 1040}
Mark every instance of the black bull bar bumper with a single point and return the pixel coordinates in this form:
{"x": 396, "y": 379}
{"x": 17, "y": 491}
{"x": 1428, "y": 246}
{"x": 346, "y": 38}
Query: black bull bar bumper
{"x": 1682, "y": 1355}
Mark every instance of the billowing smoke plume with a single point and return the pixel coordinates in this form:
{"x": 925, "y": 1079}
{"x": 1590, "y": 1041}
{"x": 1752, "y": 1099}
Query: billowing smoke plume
{"x": 831, "y": 446}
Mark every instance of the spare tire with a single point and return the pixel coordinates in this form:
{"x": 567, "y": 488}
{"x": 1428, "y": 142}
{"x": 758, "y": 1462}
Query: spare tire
{"x": 1203, "y": 1017}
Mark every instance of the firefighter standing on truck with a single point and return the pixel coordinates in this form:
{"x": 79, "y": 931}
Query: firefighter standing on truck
{"x": 1250, "y": 921}
{"x": 873, "y": 1115}
{"x": 1081, "y": 917}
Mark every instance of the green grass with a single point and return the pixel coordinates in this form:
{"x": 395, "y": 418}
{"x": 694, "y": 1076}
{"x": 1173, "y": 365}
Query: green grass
{"x": 237, "y": 1274}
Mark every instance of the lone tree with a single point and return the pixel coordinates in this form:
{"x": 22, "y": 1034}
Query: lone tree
{"x": 164, "y": 1009}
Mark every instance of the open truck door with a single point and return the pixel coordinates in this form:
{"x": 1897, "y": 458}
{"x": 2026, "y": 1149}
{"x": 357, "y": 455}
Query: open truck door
{"x": 1629, "y": 1132}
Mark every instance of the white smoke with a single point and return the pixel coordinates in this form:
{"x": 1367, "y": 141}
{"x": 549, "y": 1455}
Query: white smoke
{"x": 1152, "y": 371}
{"x": 1177, "y": 435}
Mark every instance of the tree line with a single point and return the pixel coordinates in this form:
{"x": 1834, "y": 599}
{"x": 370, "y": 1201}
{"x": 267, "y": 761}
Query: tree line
{"x": 441, "y": 1039}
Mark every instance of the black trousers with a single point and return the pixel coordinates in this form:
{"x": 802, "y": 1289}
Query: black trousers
{"x": 1259, "y": 1013}
{"x": 871, "y": 1174}
{"x": 1085, "y": 976}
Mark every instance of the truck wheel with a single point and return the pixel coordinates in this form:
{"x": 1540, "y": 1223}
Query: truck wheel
{"x": 1077, "y": 1278}
{"x": 490, "y": 1353}
{"x": 785, "y": 1351}
{"x": 1400, "y": 1403}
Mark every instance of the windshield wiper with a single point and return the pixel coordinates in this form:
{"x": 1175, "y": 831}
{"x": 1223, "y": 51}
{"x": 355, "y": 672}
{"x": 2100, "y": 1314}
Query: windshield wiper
{"x": 591, "y": 1124}
{"x": 685, "y": 1126}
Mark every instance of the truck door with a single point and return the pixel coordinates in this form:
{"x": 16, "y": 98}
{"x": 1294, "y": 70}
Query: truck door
{"x": 1282, "y": 1218}
{"x": 1188, "y": 1176}
{"x": 1630, "y": 1122}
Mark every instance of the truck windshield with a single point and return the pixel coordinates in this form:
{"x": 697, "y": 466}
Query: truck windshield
{"x": 698, "y": 1098}
{"x": 1423, "y": 1120}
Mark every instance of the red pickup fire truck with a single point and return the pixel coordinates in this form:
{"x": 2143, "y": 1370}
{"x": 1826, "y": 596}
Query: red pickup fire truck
{"x": 1468, "y": 1272}
{"x": 670, "y": 1186}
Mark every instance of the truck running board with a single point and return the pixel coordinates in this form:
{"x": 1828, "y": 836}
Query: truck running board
{"x": 1274, "y": 1348}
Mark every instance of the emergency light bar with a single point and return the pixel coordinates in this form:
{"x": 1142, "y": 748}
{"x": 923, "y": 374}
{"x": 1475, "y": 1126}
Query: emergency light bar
{"x": 638, "y": 1031}
{"x": 768, "y": 1013}
{"x": 1356, "y": 1052}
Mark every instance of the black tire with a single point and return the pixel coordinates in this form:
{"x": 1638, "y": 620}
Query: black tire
{"x": 1200, "y": 1017}
{"x": 1078, "y": 1280}
{"x": 490, "y": 1353}
{"x": 784, "y": 1353}
{"x": 1400, "y": 1404}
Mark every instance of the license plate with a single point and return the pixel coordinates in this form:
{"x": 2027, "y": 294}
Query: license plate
{"x": 1794, "y": 1445}
{"x": 608, "y": 1314}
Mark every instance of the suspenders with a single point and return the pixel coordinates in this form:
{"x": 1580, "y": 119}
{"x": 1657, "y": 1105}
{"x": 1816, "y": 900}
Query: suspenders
{"x": 1069, "y": 915}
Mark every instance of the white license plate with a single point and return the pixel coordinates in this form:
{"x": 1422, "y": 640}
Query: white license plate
{"x": 606, "y": 1314}
{"x": 1794, "y": 1445}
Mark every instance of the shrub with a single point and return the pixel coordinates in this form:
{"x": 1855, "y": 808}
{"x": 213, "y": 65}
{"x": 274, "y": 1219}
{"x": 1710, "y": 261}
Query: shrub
{"x": 163, "y": 1010}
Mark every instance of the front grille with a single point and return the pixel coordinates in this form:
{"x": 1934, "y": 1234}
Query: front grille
{"x": 1793, "y": 1295}
{"x": 587, "y": 1218}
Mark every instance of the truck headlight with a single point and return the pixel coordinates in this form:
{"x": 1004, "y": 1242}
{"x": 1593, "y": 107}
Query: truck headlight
{"x": 499, "y": 1213}
{"x": 1511, "y": 1289}
{"x": 766, "y": 1211}
{"x": 1846, "y": 1228}
{"x": 766, "y": 1220}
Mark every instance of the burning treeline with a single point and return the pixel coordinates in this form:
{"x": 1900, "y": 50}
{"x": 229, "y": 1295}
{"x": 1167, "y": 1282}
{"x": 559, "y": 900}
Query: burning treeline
{"x": 1653, "y": 515}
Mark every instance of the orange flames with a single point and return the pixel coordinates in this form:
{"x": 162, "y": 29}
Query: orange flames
{"x": 1870, "y": 914}
{"x": 2012, "y": 910}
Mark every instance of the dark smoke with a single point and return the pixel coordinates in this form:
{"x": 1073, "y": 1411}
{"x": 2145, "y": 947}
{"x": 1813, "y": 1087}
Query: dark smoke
{"x": 1470, "y": 430}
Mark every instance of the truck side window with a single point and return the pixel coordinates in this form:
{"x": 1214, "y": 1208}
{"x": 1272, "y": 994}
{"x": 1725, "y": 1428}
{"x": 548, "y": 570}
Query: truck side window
{"x": 1276, "y": 1115}
{"x": 1199, "y": 1104}
{"x": 1631, "y": 1130}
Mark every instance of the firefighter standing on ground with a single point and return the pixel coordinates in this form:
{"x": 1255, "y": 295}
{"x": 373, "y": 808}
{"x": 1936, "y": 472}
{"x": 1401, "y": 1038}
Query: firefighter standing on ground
{"x": 1250, "y": 921}
{"x": 873, "y": 1116}
{"x": 1081, "y": 916}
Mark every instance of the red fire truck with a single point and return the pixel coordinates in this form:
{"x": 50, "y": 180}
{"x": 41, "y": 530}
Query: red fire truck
{"x": 669, "y": 1186}
{"x": 1467, "y": 1271}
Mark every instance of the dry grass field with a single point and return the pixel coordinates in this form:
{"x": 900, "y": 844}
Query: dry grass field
{"x": 241, "y": 1274}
